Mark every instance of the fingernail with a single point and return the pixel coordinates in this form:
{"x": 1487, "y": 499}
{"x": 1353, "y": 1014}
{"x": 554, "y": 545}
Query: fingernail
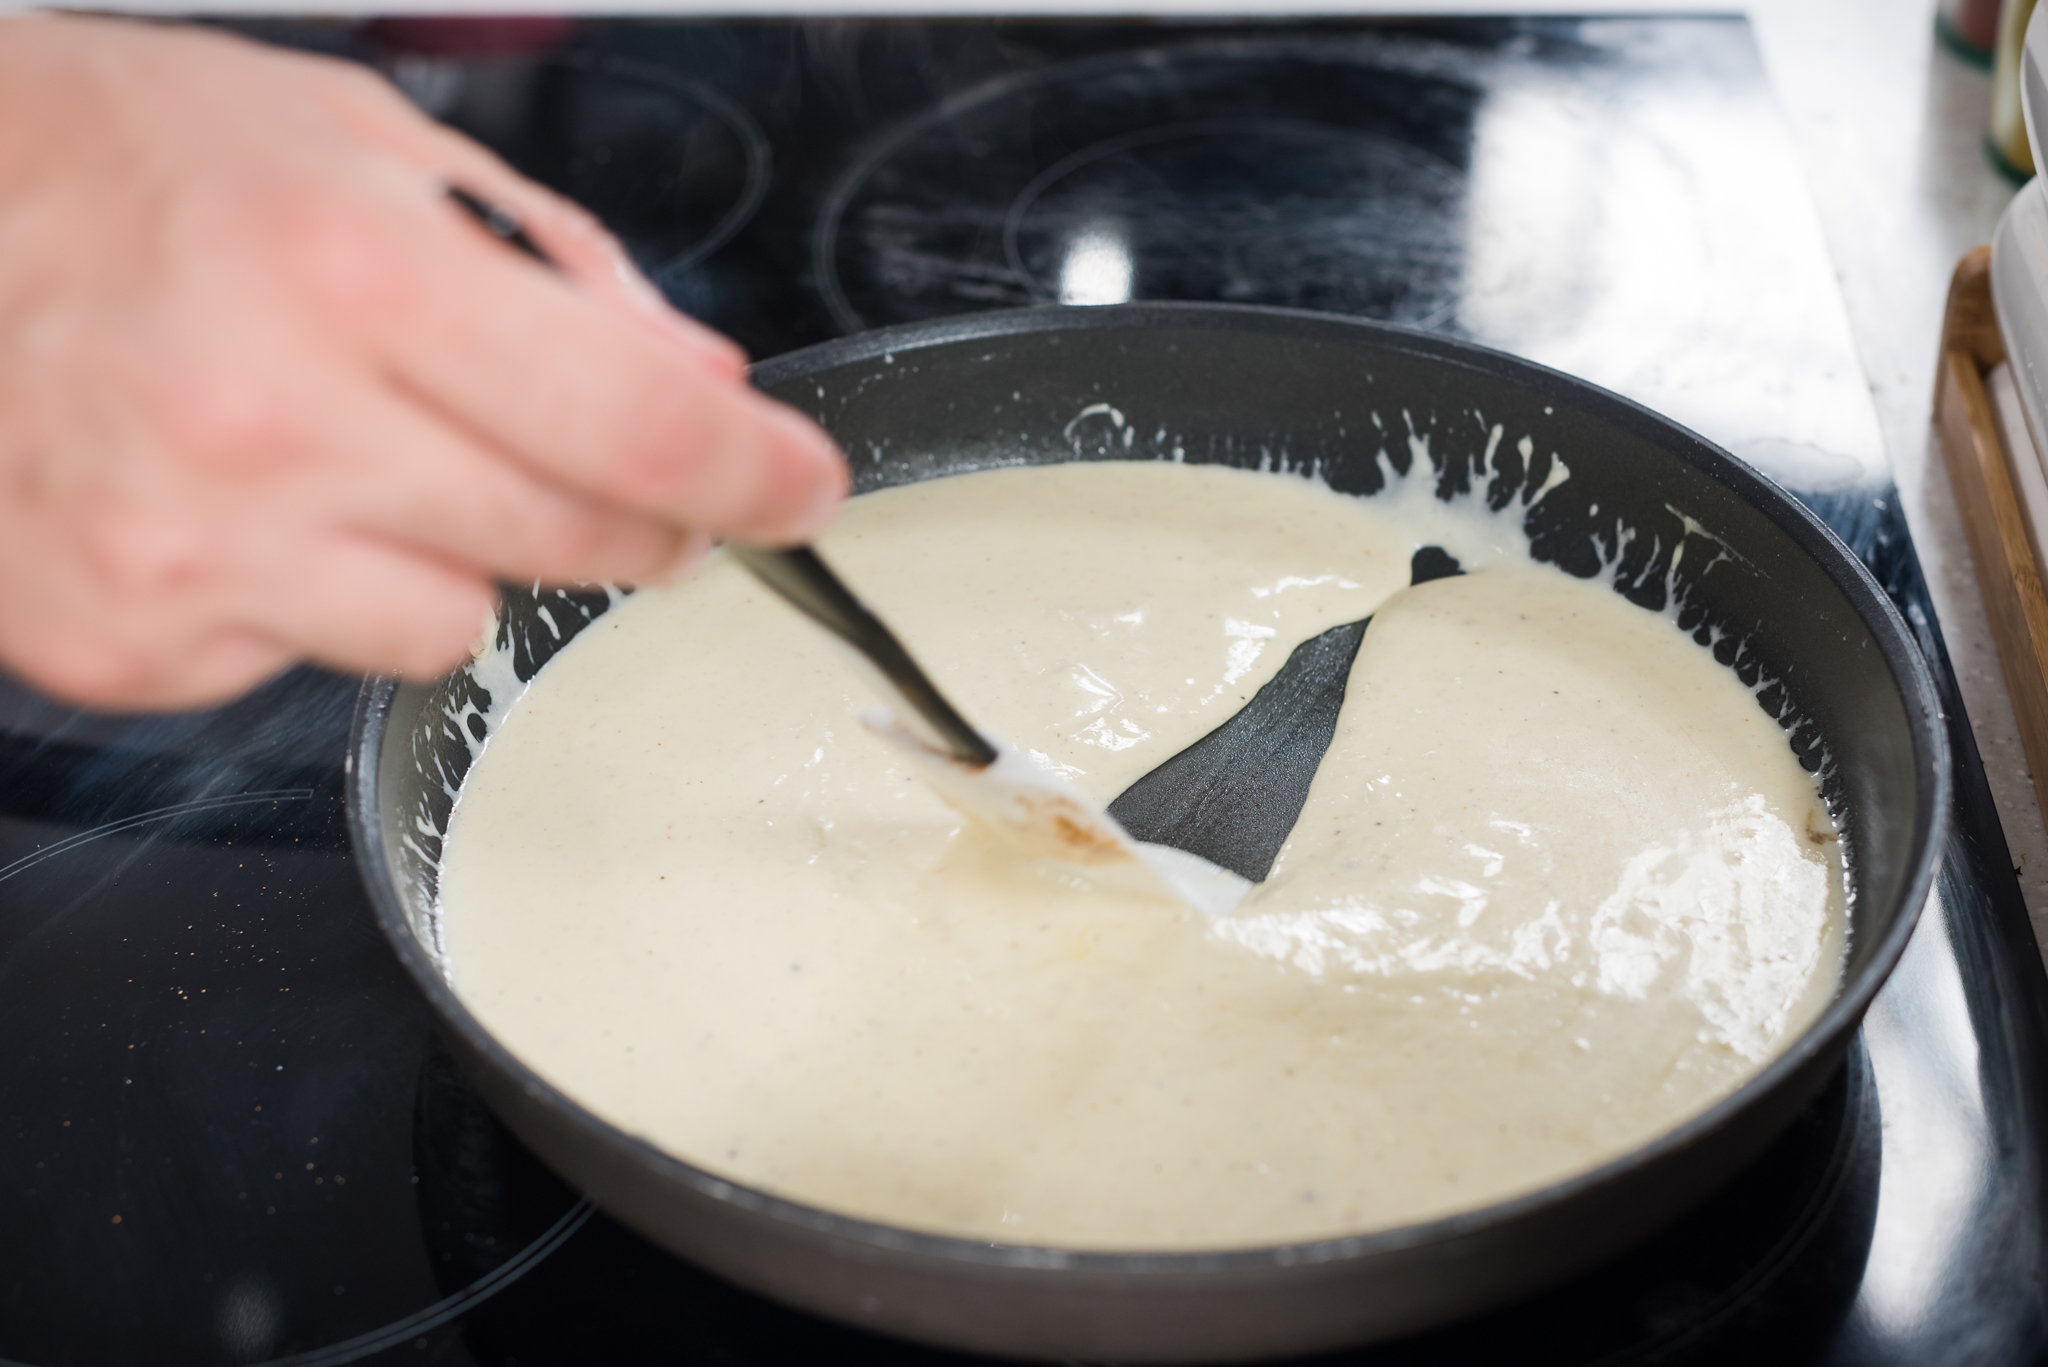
{"x": 695, "y": 547}
{"x": 486, "y": 636}
{"x": 823, "y": 509}
{"x": 638, "y": 286}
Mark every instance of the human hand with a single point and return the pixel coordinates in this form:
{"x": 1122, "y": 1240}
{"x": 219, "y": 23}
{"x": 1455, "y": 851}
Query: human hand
{"x": 267, "y": 396}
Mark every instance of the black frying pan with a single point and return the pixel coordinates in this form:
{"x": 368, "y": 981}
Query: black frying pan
{"x": 1261, "y": 388}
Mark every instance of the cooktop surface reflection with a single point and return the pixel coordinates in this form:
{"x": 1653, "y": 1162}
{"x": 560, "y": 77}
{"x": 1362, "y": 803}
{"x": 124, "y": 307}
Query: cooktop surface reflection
{"x": 227, "y": 1134}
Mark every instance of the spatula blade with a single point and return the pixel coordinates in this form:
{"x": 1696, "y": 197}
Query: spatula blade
{"x": 1234, "y": 795}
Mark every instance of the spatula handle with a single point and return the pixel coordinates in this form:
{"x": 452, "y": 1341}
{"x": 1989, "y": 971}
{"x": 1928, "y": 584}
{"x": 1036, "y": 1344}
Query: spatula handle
{"x": 809, "y": 585}
{"x": 797, "y": 573}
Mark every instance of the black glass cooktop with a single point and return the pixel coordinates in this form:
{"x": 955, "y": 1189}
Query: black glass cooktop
{"x": 227, "y": 1134}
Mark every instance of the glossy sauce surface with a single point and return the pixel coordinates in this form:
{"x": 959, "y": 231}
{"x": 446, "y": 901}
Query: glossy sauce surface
{"x": 1559, "y": 884}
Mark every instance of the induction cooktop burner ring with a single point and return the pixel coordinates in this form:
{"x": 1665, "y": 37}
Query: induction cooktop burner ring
{"x": 171, "y": 824}
{"x": 750, "y": 140}
{"x": 175, "y": 810}
{"x": 1370, "y": 52}
{"x": 1266, "y": 127}
{"x": 448, "y": 1307}
{"x": 753, "y": 142}
{"x": 760, "y": 159}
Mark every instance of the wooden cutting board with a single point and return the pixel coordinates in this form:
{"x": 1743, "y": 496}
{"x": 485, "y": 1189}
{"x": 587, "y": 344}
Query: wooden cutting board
{"x": 2003, "y": 496}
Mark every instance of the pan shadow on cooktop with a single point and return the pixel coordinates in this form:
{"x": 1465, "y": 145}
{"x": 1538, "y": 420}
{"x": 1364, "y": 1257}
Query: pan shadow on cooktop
{"x": 1765, "y": 1271}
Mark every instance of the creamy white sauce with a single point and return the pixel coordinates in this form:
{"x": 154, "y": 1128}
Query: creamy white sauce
{"x": 1559, "y": 884}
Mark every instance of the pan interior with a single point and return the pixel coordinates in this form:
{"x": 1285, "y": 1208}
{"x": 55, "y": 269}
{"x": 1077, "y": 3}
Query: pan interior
{"x": 1651, "y": 510}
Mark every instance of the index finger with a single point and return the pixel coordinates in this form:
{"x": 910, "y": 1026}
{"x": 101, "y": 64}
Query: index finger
{"x": 550, "y": 373}
{"x": 573, "y": 236}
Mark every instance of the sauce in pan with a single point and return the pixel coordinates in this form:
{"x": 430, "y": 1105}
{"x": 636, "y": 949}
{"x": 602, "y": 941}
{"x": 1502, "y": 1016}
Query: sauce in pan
{"x": 1559, "y": 884}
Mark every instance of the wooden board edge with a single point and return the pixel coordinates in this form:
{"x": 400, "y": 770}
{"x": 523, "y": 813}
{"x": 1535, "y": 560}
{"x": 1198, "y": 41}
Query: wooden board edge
{"x": 2008, "y": 576}
{"x": 1969, "y": 323}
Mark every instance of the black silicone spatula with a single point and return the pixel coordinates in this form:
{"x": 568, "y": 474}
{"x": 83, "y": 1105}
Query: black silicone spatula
{"x": 1234, "y": 795}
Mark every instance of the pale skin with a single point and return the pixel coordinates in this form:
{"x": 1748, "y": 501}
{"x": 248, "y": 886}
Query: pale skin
{"x": 266, "y": 396}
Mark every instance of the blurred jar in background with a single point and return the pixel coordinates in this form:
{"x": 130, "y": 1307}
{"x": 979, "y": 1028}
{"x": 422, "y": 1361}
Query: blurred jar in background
{"x": 1969, "y": 28}
{"x": 2006, "y": 135}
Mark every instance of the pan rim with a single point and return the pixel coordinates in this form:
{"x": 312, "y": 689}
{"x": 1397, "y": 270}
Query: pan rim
{"x": 1911, "y": 675}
